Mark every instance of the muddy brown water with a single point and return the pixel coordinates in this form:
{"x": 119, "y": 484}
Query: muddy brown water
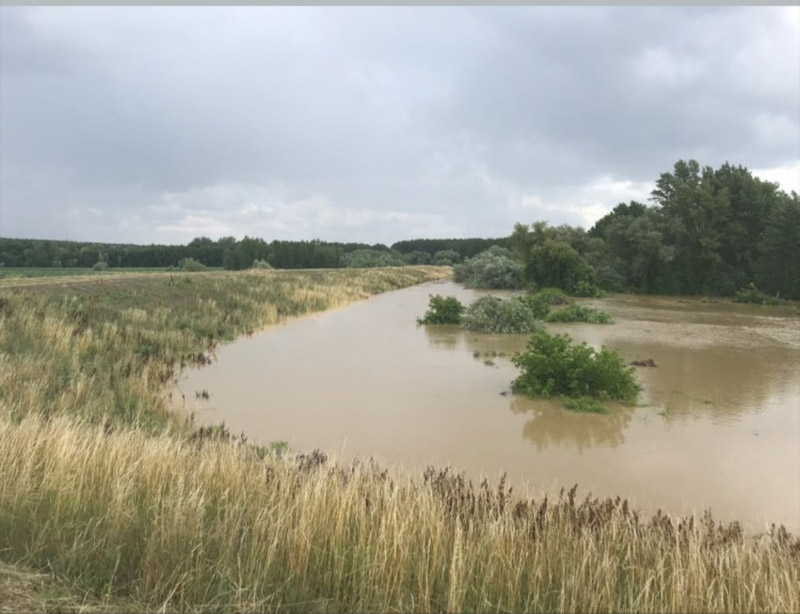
{"x": 717, "y": 424}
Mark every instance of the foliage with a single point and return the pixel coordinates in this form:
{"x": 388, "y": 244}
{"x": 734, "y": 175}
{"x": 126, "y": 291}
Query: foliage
{"x": 579, "y": 313}
{"x": 492, "y": 269}
{"x": 367, "y": 258}
{"x": 708, "y": 233}
{"x": 261, "y": 264}
{"x": 553, "y": 366}
{"x": 417, "y": 257}
{"x": 443, "y": 310}
{"x": 465, "y": 248}
{"x": 587, "y": 290}
{"x": 100, "y": 265}
{"x": 446, "y": 257}
{"x": 751, "y": 294}
{"x": 553, "y": 296}
{"x": 190, "y": 265}
{"x": 549, "y": 256}
{"x": 490, "y": 314}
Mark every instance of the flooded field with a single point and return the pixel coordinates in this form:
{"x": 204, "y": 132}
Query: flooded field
{"x": 717, "y": 424}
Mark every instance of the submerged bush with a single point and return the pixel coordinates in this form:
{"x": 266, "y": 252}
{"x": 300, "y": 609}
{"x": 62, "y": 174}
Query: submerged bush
{"x": 491, "y": 269}
{"x": 537, "y": 304}
{"x": 553, "y": 366}
{"x": 442, "y": 310}
{"x": 579, "y": 313}
{"x": 553, "y": 296}
{"x": 490, "y": 314}
{"x": 751, "y": 294}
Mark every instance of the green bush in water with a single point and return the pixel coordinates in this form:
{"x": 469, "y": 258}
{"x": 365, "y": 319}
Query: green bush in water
{"x": 579, "y": 313}
{"x": 442, "y": 310}
{"x": 537, "y": 303}
{"x": 751, "y": 294}
{"x": 553, "y": 296}
{"x": 490, "y": 314}
{"x": 553, "y": 365}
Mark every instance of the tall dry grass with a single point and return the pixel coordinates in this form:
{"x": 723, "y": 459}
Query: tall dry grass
{"x": 193, "y": 524}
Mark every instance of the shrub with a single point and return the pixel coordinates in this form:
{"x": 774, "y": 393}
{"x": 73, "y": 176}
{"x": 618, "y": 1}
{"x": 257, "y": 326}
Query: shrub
{"x": 446, "y": 257}
{"x": 490, "y": 314}
{"x": 579, "y": 313}
{"x": 751, "y": 294}
{"x": 190, "y": 265}
{"x": 100, "y": 265}
{"x": 261, "y": 264}
{"x": 553, "y": 366}
{"x": 553, "y": 296}
{"x": 537, "y": 304}
{"x": 587, "y": 289}
{"x": 492, "y": 269}
{"x": 417, "y": 257}
{"x": 442, "y": 310}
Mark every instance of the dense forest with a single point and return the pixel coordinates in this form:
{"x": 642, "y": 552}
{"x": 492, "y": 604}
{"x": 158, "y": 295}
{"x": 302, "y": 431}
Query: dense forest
{"x": 706, "y": 231}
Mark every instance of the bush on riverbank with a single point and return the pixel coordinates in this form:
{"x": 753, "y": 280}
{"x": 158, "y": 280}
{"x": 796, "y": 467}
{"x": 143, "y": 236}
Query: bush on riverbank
{"x": 553, "y": 365}
{"x": 751, "y": 294}
{"x": 579, "y": 313}
{"x": 442, "y": 310}
{"x": 492, "y": 269}
{"x": 490, "y": 314}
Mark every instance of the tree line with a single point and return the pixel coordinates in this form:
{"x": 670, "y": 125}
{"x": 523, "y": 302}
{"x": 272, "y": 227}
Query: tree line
{"x": 706, "y": 232}
{"x": 230, "y": 253}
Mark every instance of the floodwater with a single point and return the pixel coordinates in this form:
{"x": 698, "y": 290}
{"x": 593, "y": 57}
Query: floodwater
{"x": 717, "y": 424}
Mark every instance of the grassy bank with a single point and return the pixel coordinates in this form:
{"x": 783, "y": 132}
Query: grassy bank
{"x": 104, "y": 348}
{"x": 124, "y": 509}
{"x": 193, "y": 524}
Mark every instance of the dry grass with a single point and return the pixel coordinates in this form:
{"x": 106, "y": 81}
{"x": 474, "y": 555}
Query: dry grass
{"x": 192, "y": 524}
{"x": 123, "y": 511}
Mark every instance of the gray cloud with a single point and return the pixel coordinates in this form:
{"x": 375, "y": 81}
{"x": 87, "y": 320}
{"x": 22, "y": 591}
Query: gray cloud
{"x": 376, "y": 123}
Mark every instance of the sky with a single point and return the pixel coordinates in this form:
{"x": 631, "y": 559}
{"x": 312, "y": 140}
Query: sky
{"x": 377, "y": 124}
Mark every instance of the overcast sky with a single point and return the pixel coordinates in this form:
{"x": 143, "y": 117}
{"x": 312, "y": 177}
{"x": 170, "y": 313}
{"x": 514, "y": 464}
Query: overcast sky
{"x": 377, "y": 124}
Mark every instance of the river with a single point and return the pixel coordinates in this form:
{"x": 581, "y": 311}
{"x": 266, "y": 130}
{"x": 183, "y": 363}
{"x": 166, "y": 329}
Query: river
{"x": 717, "y": 424}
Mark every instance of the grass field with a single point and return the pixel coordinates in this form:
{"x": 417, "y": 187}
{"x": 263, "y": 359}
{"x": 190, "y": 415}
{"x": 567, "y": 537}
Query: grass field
{"x": 111, "y": 503}
{"x": 24, "y": 272}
